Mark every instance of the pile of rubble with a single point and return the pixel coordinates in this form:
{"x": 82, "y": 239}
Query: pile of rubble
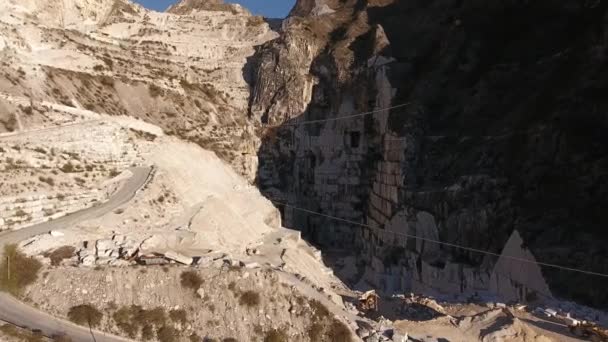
{"x": 368, "y": 334}
{"x": 420, "y": 308}
{"x": 122, "y": 250}
{"x": 116, "y": 252}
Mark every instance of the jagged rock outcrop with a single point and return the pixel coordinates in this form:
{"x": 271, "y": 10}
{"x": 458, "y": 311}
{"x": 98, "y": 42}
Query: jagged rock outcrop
{"x": 502, "y": 131}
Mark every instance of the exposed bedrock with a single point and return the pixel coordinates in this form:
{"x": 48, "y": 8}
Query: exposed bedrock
{"x": 504, "y": 132}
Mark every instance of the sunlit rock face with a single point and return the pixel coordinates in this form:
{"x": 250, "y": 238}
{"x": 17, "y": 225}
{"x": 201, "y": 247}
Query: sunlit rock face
{"x": 186, "y": 70}
{"x": 502, "y": 131}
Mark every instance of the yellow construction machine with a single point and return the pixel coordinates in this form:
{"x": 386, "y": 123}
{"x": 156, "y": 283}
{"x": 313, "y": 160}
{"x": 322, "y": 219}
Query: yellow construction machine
{"x": 589, "y": 330}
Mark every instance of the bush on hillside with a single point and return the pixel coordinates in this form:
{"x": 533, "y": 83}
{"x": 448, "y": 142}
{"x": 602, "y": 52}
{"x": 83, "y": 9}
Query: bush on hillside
{"x": 250, "y": 298}
{"x": 154, "y": 90}
{"x": 276, "y": 336}
{"x": 167, "y": 334}
{"x": 17, "y": 270}
{"x": 86, "y": 315}
{"x": 61, "y": 253}
{"x": 191, "y": 280}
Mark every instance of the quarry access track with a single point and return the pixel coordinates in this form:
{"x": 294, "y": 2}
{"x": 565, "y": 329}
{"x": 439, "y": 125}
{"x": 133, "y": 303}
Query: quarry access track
{"x": 15, "y": 312}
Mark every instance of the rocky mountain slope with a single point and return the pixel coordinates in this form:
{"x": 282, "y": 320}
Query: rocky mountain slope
{"x": 476, "y": 150}
{"x": 184, "y": 70}
{"x": 95, "y": 93}
{"x": 501, "y": 130}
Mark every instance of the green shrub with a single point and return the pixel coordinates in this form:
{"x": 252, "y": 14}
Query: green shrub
{"x": 20, "y": 334}
{"x": 23, "y": 270}
{"x": 20, "y": 213}
{"x": 155, "y": 91}
{"x": 134, "y": 319}
{"x": 179, "y": 316}
{"x": 28, "y": 110}
{"x": 86, "y": 315}
{"x": 61, "y": 253}
{"x": 191, "y": 280}
{"x": 255, "y": 20}
{"x": 250, "y": 298}
{"x": 276, "y": 336}
{"x": 320, "y": 311}
{"x": 68, "y": 168}
{"x": 147, "y": 333}
{"x": 167, "y": 334}
{"x": 107, "y": 81}
{"x": 48, "y": 180}
{"x": 324, "y": 328}
{"x": 339, "y": 332}
{"x": 124, "y": 321}
{"x": 61, "y": 338}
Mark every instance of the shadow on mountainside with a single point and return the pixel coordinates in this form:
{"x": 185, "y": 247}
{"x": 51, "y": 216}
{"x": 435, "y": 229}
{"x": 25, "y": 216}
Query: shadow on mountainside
{"x": 509, "y": 109}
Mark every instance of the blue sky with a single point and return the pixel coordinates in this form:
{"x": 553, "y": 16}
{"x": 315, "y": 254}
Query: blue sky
{"x": 267, "y": 8}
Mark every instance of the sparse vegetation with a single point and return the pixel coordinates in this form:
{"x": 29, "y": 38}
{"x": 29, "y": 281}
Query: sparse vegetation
{"x": 61, "y": 338}
{"x": 191, "y": 280}
{"x": 255, "y": 20}
{"x": 10, "y": 124}
{"x": 167, "y": 334}
{"x": 147, "y": 333}
{"x": 48, "y": 180}
{"x": 108, "y": 62}
{"x": 179, "y": 316}
{"x": 324, "y": 328}
{"x": 68, "y": 168}
{"x": 86, "y": 315}
{"x": 28, "y": 110}
{"x": 60, "y": 254}
{"x": 23, "y": 270}
{"x": 21, "y": 334}
{"x": 144, "y": 135}
{"x": 276, "y": 335}
{"x": 250, "y": 298}
{"x": 155, "y": 91}
{"x": 107, "y": 81}
{"x": 232, "y": 286}
{"x": 20, "y": 213}
{"x": 134, "y": 319}
{"x": 339, "y": 332}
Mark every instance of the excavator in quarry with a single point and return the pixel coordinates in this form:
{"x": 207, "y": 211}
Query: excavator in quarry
{"x": 589, "y": 330}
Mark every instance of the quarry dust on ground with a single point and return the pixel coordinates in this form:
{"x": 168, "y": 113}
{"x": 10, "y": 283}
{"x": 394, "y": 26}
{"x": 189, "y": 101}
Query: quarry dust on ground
{"x": 206, "y": 174}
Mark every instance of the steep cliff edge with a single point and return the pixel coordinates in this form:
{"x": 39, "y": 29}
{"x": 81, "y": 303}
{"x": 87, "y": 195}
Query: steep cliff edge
{"x": 503, "y": 131}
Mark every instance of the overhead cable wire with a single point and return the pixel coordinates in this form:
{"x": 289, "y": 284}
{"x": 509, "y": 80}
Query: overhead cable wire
{"x": 343, "y": 117}
{"x": 470, "y": 249}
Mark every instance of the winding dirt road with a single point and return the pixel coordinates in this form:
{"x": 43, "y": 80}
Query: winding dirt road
{"x": 21, "y": 314}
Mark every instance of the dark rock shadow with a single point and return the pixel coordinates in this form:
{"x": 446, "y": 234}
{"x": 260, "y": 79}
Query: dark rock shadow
{"x": 510, "y": 108}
